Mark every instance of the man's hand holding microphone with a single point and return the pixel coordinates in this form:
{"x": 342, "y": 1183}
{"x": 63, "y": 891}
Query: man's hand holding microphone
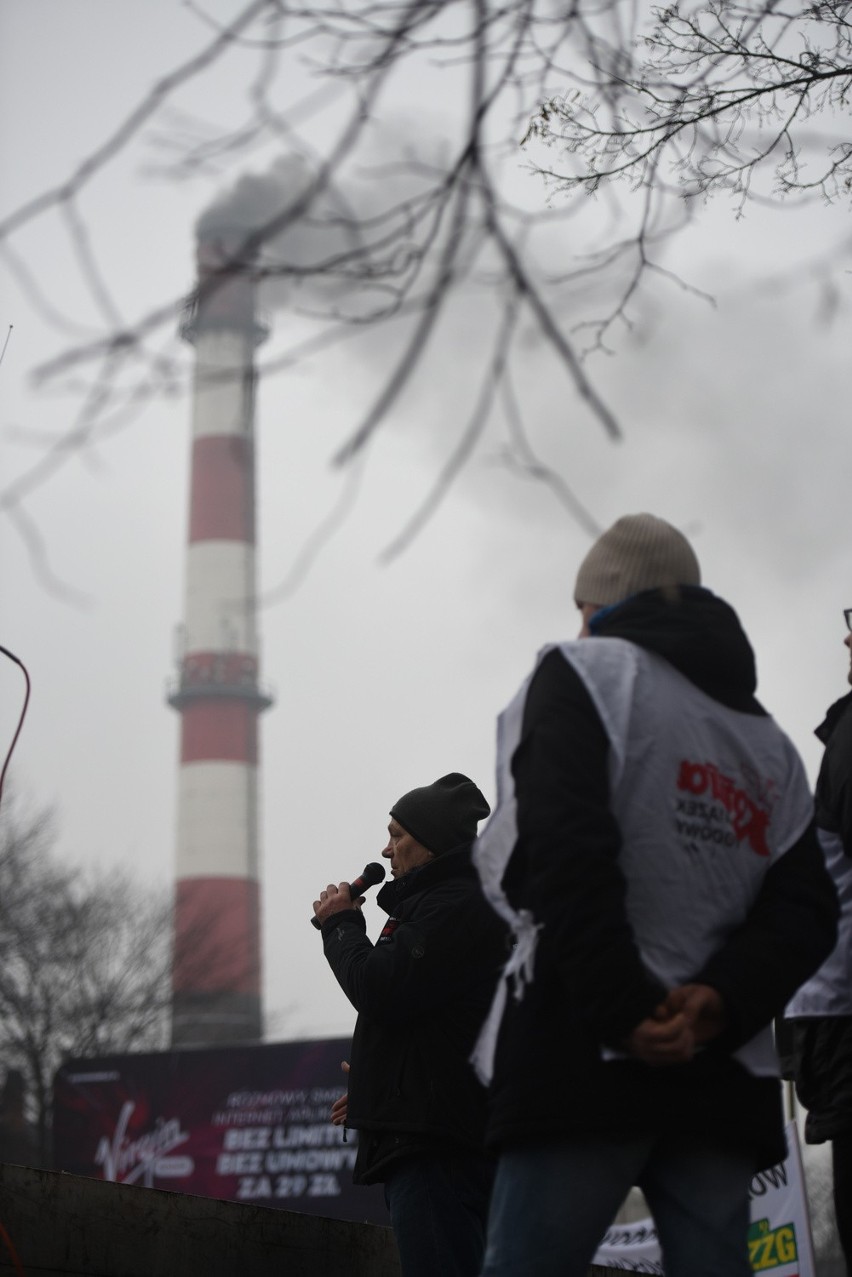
{"x": 346, "y": 895}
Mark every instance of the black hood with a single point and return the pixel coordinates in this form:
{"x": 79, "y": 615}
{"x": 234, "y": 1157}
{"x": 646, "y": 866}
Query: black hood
{"x": 696, "y": 632}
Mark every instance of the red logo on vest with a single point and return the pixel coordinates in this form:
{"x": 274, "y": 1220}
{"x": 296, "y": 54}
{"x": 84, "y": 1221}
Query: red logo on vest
{"x": 749, "y": 821}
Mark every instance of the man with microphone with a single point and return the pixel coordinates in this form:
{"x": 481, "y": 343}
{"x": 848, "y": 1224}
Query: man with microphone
{"x": 421, "y": 993}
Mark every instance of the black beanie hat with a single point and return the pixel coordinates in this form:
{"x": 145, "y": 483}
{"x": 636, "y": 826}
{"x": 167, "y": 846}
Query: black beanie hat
{"x": 444, "y": 815}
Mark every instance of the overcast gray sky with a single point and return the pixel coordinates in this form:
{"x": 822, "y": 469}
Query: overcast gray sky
{"x": 736, "y": 427}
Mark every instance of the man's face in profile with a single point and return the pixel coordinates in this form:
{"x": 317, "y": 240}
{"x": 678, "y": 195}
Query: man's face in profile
{"x": 403, "y": 851}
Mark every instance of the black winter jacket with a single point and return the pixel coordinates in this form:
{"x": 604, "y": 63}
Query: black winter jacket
{"x": 421, "y": 993}
{"x": 590, "y": 985}
{"x": 822, "y": 1045}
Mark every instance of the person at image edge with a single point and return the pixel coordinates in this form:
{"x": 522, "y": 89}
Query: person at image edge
{"x": 820, "y": 1015}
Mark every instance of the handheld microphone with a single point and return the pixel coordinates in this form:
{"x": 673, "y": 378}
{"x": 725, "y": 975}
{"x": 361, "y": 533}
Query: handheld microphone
{"x": 373, "y": 873}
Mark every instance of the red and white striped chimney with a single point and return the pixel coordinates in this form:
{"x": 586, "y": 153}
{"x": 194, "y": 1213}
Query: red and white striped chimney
{"x": 216, "y": 966}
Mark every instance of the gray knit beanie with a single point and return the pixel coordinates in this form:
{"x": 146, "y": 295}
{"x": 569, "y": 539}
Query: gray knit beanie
{"x": 444, "y": 815}
{"x": 639, "y": 552}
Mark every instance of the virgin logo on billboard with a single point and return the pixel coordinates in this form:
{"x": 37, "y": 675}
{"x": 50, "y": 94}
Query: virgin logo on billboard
{"x": 146, "y": 1156}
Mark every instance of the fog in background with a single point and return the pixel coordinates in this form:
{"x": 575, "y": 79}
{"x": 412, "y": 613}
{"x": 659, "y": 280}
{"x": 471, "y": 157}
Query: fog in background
{"x": 386, "y": 675}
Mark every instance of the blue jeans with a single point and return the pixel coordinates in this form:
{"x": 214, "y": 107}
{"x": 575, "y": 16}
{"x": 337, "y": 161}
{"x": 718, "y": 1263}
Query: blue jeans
{"x": 439, "y": 1207}
{"x": 552, "y": 1204}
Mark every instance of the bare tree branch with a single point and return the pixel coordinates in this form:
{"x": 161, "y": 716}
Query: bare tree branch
{"x": 130, "y": 126}
{"x": 84, "y": 963}
{"x": 704, "y": 100}
{"x": 522, "y": 458}
{"x": 359, "y": 230}
{"x": 465, "y": 445}
{"x": 434, "y": 237}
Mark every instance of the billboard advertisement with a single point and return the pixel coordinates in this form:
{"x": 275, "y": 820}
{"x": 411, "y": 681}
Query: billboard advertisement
{"x": 246, "y": 1123}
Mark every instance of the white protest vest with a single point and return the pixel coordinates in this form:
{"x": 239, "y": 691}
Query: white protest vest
{"x": 829, "y": 990}
{"x": 706, "y": 798}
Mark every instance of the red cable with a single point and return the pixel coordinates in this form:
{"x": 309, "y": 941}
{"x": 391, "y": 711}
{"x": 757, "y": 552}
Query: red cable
{"x": 16, "y": 1263}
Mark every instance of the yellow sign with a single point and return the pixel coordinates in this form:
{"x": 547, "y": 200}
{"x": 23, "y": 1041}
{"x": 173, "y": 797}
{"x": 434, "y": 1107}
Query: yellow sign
{"x": 769, "y": 1248}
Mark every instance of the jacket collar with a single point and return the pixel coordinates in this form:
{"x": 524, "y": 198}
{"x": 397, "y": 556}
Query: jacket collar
{"x": 696, "y": 632}
{"x": 833, "y": 715}
{"x": 450, "y": 864}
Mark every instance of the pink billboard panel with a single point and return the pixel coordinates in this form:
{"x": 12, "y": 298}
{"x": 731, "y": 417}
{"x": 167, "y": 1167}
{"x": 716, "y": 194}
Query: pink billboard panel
{"x": 245, "y": 1123}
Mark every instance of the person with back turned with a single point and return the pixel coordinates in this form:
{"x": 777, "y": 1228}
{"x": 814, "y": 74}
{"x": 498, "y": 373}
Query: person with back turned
{"x": 421, "y": 993}
{"x": 655, "y": 850}
{"x": 820, "y": 1014}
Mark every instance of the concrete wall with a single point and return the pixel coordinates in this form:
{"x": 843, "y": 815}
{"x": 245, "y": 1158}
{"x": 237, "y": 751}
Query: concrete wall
{"x": 64, "y": 1224}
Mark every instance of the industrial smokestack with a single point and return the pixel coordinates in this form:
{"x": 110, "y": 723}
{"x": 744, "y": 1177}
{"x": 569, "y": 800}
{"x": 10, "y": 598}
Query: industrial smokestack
{"x": 216, "y": 969}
